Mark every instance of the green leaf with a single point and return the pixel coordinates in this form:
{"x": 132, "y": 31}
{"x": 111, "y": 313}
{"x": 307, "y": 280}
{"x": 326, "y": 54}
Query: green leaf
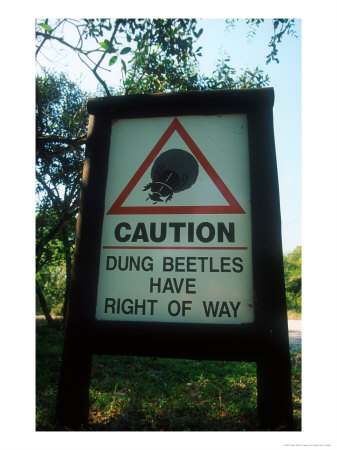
{"x": 124, "y": 66}
{"x": 112, "y": 60}
{"x": 106, "y": 45}
{"x": 125, "y": 50}
{"x": 46, "y": 27}
{"x": 199, "y": 33}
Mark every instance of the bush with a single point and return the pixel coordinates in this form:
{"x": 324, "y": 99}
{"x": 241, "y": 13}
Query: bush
{"x": 293, "y": 279}
{"x": 53, "y": 280}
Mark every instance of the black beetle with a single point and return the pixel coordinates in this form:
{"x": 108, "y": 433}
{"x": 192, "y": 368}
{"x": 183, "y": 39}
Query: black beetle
{"x": 173, "y": 171}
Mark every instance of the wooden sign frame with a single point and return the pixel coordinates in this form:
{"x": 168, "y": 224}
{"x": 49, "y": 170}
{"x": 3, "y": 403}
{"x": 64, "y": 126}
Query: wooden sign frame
{"x": 264, "y": 341}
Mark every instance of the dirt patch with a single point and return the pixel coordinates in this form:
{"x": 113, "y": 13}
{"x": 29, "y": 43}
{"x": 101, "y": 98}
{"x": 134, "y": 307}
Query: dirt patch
{"x": 43, "y": 317}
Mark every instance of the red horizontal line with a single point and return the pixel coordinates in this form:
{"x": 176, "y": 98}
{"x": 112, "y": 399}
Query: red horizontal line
{"x": 225, "y": 209}
{"x": 172, "y": 248}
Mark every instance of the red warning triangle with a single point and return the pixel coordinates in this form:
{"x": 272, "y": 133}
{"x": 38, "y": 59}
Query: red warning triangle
{"x": 233, "y": 206}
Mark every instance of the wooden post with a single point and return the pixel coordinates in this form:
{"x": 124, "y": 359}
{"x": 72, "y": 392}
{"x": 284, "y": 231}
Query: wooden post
{"x": 73, "y": 397}
{"x": 274, "y": 391}
{"x": 72, "y": 408}
{"x": 273, "y": 362}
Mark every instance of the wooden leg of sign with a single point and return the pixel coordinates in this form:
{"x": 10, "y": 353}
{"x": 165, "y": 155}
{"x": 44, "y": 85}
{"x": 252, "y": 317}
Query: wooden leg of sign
{"x": 73, "y": 397}
{"x": 274, "y": 391}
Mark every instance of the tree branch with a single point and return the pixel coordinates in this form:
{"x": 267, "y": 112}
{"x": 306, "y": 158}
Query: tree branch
{"x": 61, "y": 40}
{"x": 47, "y": 139}
{"x": 101, "y": 81}
{"x": 80, "y": 140}
{"x": 117, "y": 23}
{"x": 44, "y": 305}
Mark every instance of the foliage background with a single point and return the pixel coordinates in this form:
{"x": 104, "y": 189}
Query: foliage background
{"x": 293, "y": 279}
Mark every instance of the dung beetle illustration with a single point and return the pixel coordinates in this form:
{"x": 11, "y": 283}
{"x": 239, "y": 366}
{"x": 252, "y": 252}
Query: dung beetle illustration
{"x": 173, "y": 171}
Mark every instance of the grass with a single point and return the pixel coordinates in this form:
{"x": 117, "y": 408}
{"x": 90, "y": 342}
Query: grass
{"x": 156, "y": 394}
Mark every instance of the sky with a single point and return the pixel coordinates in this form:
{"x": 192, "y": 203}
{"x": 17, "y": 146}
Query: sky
{"x": 285, "y": 78}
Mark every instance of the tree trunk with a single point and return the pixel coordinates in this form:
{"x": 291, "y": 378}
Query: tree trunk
{"x": 44, "y": 305}
{"x": 68, "y": 268}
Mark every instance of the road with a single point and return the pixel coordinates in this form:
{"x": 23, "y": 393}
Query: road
{"x": 295, "y": 334}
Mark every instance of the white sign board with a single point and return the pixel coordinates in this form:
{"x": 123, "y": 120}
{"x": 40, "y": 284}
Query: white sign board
{"x": 176, "y": 240}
